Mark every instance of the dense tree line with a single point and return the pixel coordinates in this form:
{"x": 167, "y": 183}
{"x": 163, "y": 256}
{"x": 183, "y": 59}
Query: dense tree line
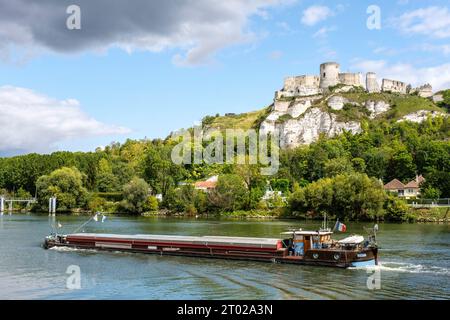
{"x": 341, "y": 175}
{"x": 384, "y": 151}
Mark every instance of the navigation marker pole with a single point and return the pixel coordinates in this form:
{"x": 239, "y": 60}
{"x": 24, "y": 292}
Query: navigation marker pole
{"x": 52, "y": 206}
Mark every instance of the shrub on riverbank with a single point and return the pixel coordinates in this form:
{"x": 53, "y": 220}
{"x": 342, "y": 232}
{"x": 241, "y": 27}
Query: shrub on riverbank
{"x": 66, "y": 184}
{"x": 135, "y": 196}
{"x": 437, "y": 214}
{"x": 352, "y": 196}
{"x": 395, "y": 209}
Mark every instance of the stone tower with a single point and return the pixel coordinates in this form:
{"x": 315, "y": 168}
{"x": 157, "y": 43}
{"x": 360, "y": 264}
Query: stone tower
{"x": 371, "y": 82}
{"x": 329, "y": 74}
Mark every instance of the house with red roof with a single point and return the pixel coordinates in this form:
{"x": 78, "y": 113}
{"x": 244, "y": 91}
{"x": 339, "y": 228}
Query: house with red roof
{"x": 407, "y": 191}
{"x": 207, "y": 185}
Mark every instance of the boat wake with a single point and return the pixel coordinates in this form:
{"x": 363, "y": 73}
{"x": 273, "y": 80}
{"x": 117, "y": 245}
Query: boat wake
{"x": 406, "y": 268}
{"x": 69, "y": 249}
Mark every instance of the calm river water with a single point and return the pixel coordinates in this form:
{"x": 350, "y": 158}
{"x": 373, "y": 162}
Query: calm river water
{"x": 415, "y": 264}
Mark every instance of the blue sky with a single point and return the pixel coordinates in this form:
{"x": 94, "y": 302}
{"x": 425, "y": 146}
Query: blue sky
{"x": 60, "y": 90}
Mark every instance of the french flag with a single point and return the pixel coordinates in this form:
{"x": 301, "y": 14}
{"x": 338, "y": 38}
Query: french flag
{"x": 340, "y": 227}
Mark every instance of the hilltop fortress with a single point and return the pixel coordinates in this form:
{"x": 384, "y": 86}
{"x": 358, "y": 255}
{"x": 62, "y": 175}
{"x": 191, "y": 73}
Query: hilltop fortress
{"x": 310, "y": 105}
{"x": 331, "y": 76}
{"x": 333, "y": 102}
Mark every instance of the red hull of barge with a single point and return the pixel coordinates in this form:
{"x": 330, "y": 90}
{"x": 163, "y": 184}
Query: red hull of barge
{"x": 251, "y": 249}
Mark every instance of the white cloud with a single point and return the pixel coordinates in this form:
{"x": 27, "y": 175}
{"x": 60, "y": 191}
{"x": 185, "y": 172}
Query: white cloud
{"x": 441, "y": 48}
{"x": 315, "y": 14}
{"x": 386, "y": 51}
{"x": 32, "y": 122}
{"x": 196, "y": 29}
{"x": 432, "y": 21}
{"x": 438, "y": 76}
{"x": 323, "y": 32}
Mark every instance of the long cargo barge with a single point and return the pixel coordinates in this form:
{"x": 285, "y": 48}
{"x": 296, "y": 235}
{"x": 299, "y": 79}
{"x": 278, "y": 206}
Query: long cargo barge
{"x": 294, "y": 247}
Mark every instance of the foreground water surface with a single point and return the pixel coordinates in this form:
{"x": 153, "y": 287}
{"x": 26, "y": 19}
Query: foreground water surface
{"x": 415, "y": 262}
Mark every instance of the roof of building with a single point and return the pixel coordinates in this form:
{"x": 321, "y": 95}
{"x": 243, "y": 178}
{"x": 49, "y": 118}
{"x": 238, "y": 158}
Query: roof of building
{"x": 394, "y": 184}
{"x": 412, "y": 185}
{"x": 397, "y": 184}
{"x": 415, "y": 184}
{"x": 206, "y": 184}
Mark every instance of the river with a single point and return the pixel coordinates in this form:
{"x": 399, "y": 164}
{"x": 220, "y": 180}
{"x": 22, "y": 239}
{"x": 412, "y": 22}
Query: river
{"x": 415, "y": 262}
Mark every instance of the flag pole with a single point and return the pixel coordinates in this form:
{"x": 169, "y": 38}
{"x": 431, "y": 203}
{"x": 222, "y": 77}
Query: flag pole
{"x": 336, "y": 224}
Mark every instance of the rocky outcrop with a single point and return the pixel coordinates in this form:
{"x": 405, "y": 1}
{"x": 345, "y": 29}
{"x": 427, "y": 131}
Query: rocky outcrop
{"x": 307, "y": 128}
{"x": 337, "y": 102}
{"x": 344, "y": 89}
{"x": 438, "y": 98}
{"x": 298, "y": 108}
{"x": 281, "y": 106}
{"x": 421, "y": 116}
{"x": 269, "y": 125}
{"x": 301, "y": 120}
{"x": 377, "y": 107}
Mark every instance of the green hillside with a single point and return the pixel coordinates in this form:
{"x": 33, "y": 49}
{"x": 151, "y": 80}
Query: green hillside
{"x": 401, "y": 105}
{"x": 237, "y": 121}
{"x": 339, "y": 175}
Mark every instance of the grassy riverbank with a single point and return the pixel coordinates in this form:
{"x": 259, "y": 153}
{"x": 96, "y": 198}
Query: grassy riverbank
{"x": 430, "y": 214}
{"x": 414, "y": 215}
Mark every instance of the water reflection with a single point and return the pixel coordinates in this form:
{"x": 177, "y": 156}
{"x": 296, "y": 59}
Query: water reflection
{"x": 415, "y": 264}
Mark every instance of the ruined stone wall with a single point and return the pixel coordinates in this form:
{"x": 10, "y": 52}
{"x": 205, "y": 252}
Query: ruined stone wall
{"x": 330, "y": 75}
{"x": 305, "y": 85}
{"x": 424, "y": 91}
{"x": 372, "y": 83}
{"x": 350, "y": 79}
{"x": 293, "y": 83}
{"x": 393, "y": 86}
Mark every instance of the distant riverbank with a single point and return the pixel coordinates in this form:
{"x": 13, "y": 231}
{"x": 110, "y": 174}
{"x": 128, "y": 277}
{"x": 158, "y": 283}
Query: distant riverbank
{"x": 415, "y": 215}
{"x": 435, "y": 215}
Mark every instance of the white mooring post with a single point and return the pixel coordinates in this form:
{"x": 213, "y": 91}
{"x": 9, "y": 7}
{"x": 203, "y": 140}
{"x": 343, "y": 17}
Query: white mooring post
{"x": 2, "y": 205}
{"x": 52, "y": 205}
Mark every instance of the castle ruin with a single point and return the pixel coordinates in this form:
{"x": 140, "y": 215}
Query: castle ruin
{"x": 394, "y": 86}
{"x": 330, "y": 76}
{"x": 425, "y": 91}
{"x": 371, "y": 82}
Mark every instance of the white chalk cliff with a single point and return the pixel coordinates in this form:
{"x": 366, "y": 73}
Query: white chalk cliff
{"x": 298, "y": 123}
{"x": 377, "y": 107}
{"x": 421, "y": 116}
